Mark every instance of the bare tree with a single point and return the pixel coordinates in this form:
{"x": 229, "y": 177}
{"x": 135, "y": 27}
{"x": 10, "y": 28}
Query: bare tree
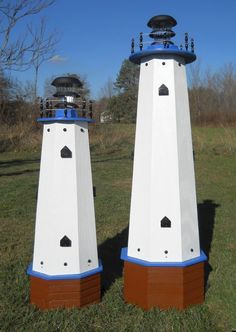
{"x": 107, "y": 91}
{"x": 16, "y": 51}
{"x": 196, "y": 90}
{"x": 49, "y": 89}
{"x": 44, "y": 48}
{"x": 101, "y": 106}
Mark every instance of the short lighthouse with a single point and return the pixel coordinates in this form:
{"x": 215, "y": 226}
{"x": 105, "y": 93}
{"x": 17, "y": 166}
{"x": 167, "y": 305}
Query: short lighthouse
{"x": 164, "y": 266}
{"x": 65, "y": 271}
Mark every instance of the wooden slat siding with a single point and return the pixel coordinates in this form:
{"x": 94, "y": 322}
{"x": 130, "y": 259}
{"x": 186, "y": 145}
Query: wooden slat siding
{"x": 47, "y": 294}
{"x": 93, "y": 298}
{"x": 63, "y": 287}
{"x": 72, "y": 303}
{"x": 135, "y": 280}
{"x": 163, "y": 287}
{"x": 90, "y": 278}
{"x": 194, "y": 285}
{"x": 82, "y": 300}
{"x": 73, "y": 294}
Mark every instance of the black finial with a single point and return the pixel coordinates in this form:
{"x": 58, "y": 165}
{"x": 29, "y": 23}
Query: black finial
{"x": 186, "y": 41}
{"x": 41, "y": 107}
{"x": 65, "y": 105}
{"x": 91, "y": 109}
{"x": 50, "y": 107}
{"x": 84, "y": 108}
{"x": 141, "y": 41}
{"x": 47, "y": 108}
{"x": 132, "y": 45}
{"x": 181, "y": 47}
{"x": 65, "y": 102}
{"x": 192, "y": 45}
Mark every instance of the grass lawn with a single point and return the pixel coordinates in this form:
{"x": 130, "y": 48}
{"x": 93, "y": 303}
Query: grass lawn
{"x": 112, "y": 147}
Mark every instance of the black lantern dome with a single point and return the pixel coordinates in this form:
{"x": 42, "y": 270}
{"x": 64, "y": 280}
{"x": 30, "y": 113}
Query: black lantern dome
{"x": 67, "y": 86}
{"x": 161, "y": 28}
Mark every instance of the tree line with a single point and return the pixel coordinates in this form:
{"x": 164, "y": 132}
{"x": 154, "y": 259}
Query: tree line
{"x": 211, "y": 95}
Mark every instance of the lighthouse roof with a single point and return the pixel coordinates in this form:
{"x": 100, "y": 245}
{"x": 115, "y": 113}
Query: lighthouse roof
{"x": 67, "y": 81}
{"x": 161, "y": 21}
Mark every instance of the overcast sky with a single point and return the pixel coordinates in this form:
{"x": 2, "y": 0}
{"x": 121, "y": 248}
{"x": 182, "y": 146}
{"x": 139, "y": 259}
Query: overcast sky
{"x": 95, "y": 35}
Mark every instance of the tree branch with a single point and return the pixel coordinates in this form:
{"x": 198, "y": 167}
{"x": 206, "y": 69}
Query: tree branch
{"x": 17, "y": 54}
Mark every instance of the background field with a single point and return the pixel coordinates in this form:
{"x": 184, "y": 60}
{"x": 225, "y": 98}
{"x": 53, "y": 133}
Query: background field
{"x": 111, "y": 148}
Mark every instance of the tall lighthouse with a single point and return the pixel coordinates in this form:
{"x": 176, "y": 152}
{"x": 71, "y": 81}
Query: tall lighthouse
{"x": 164, "y": 266}
{"x": 65, "y": 271}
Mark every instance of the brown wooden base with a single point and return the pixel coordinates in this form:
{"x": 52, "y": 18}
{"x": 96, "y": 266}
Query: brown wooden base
{"x": 48, "y": 294}
{"x": 163, "y": 287}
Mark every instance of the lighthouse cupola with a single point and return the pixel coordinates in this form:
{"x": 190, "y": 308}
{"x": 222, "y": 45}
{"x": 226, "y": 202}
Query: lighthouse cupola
{"x": 161, "y": 43}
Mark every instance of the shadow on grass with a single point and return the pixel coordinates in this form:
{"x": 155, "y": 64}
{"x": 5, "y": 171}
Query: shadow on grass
{"x": 20, "y": 172}
{"x": 126, "y": 157}
{"x": 206, "y": 219}
{"x": 17, "y": 162}
{"x": 109, "y": 251}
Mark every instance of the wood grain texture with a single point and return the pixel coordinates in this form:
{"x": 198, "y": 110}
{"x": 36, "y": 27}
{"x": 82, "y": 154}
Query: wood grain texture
{"x": 163, "y": 287}
{"x": 48, "y": 294}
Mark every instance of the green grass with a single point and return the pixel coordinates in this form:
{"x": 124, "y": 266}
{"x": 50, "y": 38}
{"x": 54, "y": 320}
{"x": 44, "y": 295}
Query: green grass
{"x": 215, "y": 165}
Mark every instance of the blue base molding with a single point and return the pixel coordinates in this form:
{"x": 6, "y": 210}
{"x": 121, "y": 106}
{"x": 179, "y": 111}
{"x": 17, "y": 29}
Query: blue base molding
{"x": 44, "y": 276}
{"x": 189, "y": 262}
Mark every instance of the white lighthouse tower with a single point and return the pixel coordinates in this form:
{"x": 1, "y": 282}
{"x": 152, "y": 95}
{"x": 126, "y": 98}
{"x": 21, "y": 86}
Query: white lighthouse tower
{"x": 163, "y": 262}
{"x": 65, "y": 271}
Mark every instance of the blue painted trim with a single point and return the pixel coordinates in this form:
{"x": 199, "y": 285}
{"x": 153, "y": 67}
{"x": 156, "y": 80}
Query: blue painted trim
{"x": 64, "y": 276}
{"x": 189, "y": 262}
{"x": 62, "y": 119}
{"x": 72, "y": 115}
{"x": 158, "y": 49}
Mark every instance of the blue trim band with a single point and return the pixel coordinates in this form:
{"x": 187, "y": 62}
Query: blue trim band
{"x": 64, "y": 276}
{"x": 157, "y": 49}
{"x": 189, "y": 262}
{"x": 71, "y": 115}
{"x": 59, "y": 119}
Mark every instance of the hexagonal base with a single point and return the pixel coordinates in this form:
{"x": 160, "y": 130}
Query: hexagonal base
{"x": 48, "y": 294}
{"x": 163, "y": 287}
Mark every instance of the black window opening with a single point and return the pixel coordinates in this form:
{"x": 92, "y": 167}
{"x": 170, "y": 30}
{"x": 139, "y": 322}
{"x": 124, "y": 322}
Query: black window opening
{"x": 66, "y": 152}
{"x": 163, "y": 90}
{"x": 165, "y": 222}
{"x": 65, "y": 242}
